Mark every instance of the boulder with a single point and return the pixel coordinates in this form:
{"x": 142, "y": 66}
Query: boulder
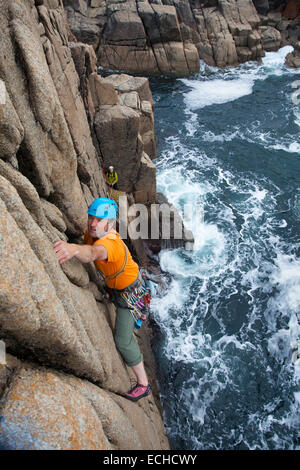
{"x": 254, "y": 39}
{"x": 239, "y": 14}
{"x": 84, "y": 58}
{"x": 292, "y": 61}
{"x": 146, "y": 107}
{"x": 271, "y": 38}
{"x": 192, "y": 57}
{"x": 86, "y": 29}
{"x": 218, "y": 46}
{"x": 176, "y": 58}
{"x": 78, "y": 5}
{"x": 293, "y": 58}
{"x": 273, "y": 18}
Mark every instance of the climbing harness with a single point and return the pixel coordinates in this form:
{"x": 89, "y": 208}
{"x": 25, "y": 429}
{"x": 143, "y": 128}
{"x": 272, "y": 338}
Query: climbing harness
{"x": 136, "y": 297}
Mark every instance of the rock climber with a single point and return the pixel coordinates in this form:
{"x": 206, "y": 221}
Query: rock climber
{"x": 116, "y": 267}
{"x": 111, "y": 177}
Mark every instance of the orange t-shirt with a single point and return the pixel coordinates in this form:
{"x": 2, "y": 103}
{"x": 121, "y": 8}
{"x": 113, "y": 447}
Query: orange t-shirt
{"x": 115, "y": 259}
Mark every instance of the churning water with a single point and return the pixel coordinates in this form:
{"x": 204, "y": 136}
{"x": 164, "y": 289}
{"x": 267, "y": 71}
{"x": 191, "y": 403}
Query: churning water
{"x": 228, "y": 142}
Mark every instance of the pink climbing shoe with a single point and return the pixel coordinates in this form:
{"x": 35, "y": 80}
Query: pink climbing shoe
{"x": 137, "y": 392}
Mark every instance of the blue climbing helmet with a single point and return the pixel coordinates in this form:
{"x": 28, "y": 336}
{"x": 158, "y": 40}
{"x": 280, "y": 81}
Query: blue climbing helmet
{"x": 103, "y": 208}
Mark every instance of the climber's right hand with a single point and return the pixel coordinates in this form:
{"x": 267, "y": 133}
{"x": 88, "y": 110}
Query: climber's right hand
{"x": 64, "y": 251}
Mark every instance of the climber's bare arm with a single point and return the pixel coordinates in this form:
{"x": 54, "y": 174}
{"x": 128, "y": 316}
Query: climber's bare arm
{"x": 85, "y": 253}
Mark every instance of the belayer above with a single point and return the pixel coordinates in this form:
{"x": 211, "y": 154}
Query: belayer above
{"x": 111, "y": 177}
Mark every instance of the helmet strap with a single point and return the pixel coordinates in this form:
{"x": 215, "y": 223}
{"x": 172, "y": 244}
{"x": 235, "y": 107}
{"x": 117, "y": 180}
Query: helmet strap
{"x": 106, "y": 230}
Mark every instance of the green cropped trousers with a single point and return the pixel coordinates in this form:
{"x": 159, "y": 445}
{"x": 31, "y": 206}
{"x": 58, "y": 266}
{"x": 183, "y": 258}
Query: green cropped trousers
{"x": 124, "y": 337}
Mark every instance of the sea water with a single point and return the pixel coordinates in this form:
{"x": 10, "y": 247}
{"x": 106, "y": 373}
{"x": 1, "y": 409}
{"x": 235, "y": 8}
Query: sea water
{"x": 228, "y": 144}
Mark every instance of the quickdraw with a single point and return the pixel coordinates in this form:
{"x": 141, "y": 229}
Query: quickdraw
{"x": 138, "y": 301}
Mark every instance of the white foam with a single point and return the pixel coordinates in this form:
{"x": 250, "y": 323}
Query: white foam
{"x": 191, "y": 124}
{"x": 297, "y": 116}
{"x": 231, "y": 339}
{"x": 293, "y": 147}
{"x": 178, "y": 187}
{"x": 286, "y": 277}
{"x": 227, "y": 177}
{"x": 234, "y": 84}
{"x": 175, "y": 298}
{"x": 184, "y": 347}
{"x": 279, "y": 344}
{"x": 209, "y": 136}
{"x": 259, "y": 194}
{"x": 274, "y": 61}
{"x": 296, "y": 206}
{"x": 216, "y": 91}
{"x": 297, "y": 397}
{"x": 297, "y": 371}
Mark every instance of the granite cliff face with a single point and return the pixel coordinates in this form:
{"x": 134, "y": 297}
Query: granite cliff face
{"x": 172, "y": 36}
{"x": 167, "y": 36}
{"x": 63, "y": 379}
